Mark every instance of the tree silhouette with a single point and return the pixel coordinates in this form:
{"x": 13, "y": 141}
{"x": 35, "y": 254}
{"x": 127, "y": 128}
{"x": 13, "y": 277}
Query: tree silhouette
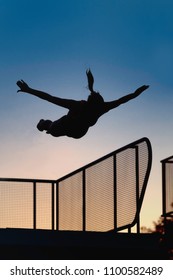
{"x": 164, "y": 228}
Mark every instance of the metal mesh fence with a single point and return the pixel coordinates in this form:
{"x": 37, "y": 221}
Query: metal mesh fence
{"x": 16, "y": 205}
{"x": 167, "y": 186}
{"x": 108, "y": 193}
{"x": 43, "y": 206}
{"x": 104, "y": 195}
{"x": 100, "y": 196}
{"x": 25, "y": 204}
{"x": 126, "y": 187}
{"x": 70, "y": 203}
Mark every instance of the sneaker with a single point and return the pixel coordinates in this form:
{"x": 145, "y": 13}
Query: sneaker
{"x": 40, "y": 125}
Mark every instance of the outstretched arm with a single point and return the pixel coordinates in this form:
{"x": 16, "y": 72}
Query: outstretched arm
{"x": 113, "y": 104}
{"x": 66, "y": 103}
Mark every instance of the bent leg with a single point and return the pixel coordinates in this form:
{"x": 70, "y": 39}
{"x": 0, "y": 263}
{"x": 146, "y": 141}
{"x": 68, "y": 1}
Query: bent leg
{"x": 58, "y": 128}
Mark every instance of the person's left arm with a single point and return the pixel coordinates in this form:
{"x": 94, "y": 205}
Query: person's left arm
{"x": 115, "y": 103}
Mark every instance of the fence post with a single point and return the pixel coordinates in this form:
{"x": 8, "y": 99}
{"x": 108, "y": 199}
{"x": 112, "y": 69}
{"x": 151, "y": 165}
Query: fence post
{"x": 57, "y": 206}
{"x": 163, "y": 189}
{"x": 115, "y": 191}
{"x": 164, "y": 193}
{"x": 34, "y": 205}
{"x": 53, "y": 206}
{"x": 84, "y": 199}
{"x": 137, "y": 187}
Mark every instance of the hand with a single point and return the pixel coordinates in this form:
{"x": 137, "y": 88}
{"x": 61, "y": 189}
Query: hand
{"x": 23, "y": 86}
{"x": 141, "y": 89}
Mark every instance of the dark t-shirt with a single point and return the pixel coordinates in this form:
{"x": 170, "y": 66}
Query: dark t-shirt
{"x": 79, "y": 119}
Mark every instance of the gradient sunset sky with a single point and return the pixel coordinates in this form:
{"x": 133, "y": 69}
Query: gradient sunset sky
{"x": 50, "y": 45}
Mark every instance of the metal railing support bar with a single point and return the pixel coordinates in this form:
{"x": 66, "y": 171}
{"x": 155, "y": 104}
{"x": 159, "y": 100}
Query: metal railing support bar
{"x": 34, "y": 205}
{"x": 115, "y": 192}
{"x": 164, "y": 192}
{"x": 57, "y": 206}
{"x": 53, "y": 206}
{"x": 84, "y": 200}
{"x": 137, "y": 188}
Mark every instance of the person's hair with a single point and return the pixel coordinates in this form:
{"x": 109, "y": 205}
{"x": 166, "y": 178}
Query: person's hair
{"x": 90, "y": 80}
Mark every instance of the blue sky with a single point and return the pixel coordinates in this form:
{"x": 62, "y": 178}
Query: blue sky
{"x": 50, "y": 44}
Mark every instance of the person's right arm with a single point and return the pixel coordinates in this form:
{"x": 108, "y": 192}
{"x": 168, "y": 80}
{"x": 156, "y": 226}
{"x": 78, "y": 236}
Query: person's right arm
{"x": 66, "y": 103}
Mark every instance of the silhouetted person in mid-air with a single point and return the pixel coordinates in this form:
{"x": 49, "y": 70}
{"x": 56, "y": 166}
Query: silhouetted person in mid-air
{"x": 82, "y": 114}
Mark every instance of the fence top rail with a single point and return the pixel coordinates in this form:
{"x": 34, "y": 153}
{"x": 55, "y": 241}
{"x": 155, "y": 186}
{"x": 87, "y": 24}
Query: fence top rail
{"x": 129, "y": 146}
{"x": 168, "y": 159}
{"x": 168, "y": 214}
{"x": 24, "y": 180}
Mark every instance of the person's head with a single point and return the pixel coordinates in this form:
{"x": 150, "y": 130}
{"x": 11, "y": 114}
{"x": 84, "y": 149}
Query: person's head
{"x": 94, "y": 97}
